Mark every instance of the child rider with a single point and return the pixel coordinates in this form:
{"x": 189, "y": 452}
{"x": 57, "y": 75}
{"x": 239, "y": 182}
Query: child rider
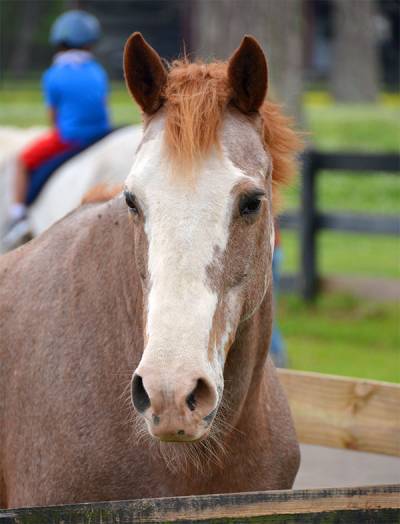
{"x": 75, "y": 90}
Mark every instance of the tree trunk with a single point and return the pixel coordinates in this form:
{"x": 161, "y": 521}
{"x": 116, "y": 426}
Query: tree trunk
{"x": 219, "y": 26}
{"x": 355, "y": 61}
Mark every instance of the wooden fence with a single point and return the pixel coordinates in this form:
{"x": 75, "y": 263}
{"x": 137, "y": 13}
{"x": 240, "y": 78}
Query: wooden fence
{"x": 364, "y": 505}
{"x": 309, "y": 220}
{"x": 327, "y": 410}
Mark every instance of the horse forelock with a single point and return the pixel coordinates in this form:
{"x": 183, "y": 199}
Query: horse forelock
{"x": 196, "y": 97}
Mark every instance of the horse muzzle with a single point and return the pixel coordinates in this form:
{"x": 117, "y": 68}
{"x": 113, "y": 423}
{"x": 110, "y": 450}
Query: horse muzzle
{"x": 175, "y": 411}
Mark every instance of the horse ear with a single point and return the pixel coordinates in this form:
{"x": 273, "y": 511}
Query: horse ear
{"x": 145, "y": 74}
{"x": 248, "y": 75}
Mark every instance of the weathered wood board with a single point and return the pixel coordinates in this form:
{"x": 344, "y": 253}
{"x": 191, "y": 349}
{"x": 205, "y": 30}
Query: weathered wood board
{"x": 344, "y": 412}
{"x": 372, "y": 504}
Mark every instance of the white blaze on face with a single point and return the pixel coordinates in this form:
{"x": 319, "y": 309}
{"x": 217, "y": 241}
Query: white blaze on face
{"x": 184, "y": 224}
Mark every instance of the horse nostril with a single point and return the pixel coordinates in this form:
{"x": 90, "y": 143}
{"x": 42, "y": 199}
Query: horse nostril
{"x": 191, "y": 401}
{"x": 202, "y": 396}
{"x": 140, "y": 398}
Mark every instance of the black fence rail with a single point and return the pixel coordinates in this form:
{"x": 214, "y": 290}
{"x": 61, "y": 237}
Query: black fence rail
{"x": 309, "y": 220}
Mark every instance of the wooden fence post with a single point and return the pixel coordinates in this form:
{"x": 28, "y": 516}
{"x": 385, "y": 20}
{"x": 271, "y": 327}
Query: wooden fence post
{"x": 308, "y": 261}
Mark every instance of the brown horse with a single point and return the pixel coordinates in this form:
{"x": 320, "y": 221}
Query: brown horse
{"x": 171, "y": 282}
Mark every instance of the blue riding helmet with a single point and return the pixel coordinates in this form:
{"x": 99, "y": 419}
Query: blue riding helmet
{"x": 75, "y": 28}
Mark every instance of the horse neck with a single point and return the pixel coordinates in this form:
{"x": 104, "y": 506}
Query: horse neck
{"x": 246, "y": 362}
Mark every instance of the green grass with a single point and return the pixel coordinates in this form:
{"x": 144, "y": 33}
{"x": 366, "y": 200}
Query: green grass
{"x": 342, "y": 335}
{"x": 361, "y": 127}
{"x": 22, "y": 106}
{"x": 338, "y": 334}
{"x": 347, "y": 254}
{"x": 364, "y": 193}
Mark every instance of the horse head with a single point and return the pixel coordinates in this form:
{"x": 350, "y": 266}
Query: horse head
{"x": 199, "y": 195}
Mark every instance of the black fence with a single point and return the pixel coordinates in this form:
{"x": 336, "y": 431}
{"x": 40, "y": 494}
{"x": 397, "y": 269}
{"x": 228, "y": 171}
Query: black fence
{"x": 309, "y": 220}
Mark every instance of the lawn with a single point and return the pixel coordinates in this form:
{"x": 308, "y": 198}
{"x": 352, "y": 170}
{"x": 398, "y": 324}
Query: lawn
{"x": 337, "y": 334}
{"x": 22, "y": 105}
{"x": 342, "y": 335}
{"x": 359, "y": 128}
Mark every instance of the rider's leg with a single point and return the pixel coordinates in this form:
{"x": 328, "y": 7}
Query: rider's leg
{"x": 277, "y": 348}
{"x": 43, "y": 149}
{"x": 18, "y": 208}
{"x": 20, "y": 183}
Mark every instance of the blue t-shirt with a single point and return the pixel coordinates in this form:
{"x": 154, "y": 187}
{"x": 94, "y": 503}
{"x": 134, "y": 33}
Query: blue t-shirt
{"x": 76, "y": 88}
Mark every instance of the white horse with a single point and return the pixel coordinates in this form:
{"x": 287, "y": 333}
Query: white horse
{"x": 107, "y": 162}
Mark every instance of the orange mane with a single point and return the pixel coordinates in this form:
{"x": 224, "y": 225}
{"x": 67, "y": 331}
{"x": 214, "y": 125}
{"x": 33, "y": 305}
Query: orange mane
{"x": 196, "y": 96}
{"x": 101, "y": 193}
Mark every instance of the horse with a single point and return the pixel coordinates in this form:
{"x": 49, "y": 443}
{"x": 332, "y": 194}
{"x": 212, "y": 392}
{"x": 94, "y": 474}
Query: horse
{"x": 106, "y": 162}
{"x": 13, "y": 139}
{"x": 135, "y": 331}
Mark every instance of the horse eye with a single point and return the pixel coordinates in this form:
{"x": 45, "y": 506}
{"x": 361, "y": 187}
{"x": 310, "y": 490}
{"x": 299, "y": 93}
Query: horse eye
{"x": 249, "y": 205}
{"x": 131, "y": 202}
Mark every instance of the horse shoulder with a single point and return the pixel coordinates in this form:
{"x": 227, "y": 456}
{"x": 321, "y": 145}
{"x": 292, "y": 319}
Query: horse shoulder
{"x": 68, "y": 329}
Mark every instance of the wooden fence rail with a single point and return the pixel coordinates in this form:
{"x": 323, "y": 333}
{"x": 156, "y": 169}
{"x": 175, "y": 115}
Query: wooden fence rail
{"x": 361, "y": 505}
{"x": 344, "y": 412}
{"x": 327, "y": 410}
{"x": 309, "y": 220}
